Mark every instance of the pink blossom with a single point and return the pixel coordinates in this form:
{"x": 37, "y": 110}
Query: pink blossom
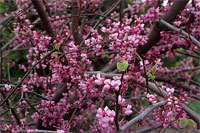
{"x": 60, "y": 131}
{"x": 99, "y": 80}
{"x": 106, "y": 87}
{"x": 121, "y": 101}
{"x": 105, "y": 117}
{"x": 23, "y": 88}
{"x": 8, "y": 87}
{"x": 128, "y": 110}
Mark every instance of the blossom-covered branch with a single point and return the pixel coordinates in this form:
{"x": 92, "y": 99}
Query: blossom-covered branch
{"x": 190, "y": 37}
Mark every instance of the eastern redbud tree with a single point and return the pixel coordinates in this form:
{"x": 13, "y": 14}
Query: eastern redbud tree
{"x": 99, "y": 65}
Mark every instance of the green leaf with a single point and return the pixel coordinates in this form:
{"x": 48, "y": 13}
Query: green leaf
{"x": 58, "y": 46}
{"x": 150, "y": 76}
{"x": 153, "y": 69}
{"x": 22, "y": 32}
{"x": 191, "y": 123}
{"x": 183, "y": 122}
{"x": 56, "y": 53}
{"x": 122, "y": 66}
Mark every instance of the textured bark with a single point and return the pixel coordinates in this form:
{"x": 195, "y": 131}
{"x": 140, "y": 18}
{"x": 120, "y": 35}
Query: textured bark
{"x": 44, "y": 18}
{"x": 75, "y": 23}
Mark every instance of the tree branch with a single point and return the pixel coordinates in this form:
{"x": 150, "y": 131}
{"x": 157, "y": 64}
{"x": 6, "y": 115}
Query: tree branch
{"x": 154, "y": 35}
{"x": 44, "y": 18}
{"x": 190, "y": 37}
{"x": 148, "y": 129}
{"x": 142, "y": 115}
{"x": 75, "y": 22}
{"x": 176, "y": 84}
{"x": 160, "y": 92}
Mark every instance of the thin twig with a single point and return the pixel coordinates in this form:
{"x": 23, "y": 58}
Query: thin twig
{"x": 101, "y": 18}
{"x": 117, "y": 93}
{"x": 70, "y": 120}
{"x": 26, "y": 75}
{"x": 190, "y": 37}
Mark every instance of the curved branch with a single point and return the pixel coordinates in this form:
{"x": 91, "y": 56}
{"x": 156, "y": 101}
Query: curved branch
{"x": 161, "y": 92}
{"x": 142, "y": 115}
{"x": 190, "y": 37}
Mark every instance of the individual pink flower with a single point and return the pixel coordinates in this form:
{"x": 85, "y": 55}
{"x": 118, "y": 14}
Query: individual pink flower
{"x": 99, "y": 80}
{"x": 170, "y": 90}
{"x": 116, "y": 84}
{"x": 60, "y": 131}
{"x": 23, "y": 88}
{"x": 121, "y": 100}
{"x": 128, "y": 110}
{"x": 106, "y": 87}
{"x": 8, "y": 87}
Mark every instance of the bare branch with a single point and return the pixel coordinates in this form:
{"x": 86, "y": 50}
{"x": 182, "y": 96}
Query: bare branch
{"x": 107, "y": 75}
{"x": 44, "y": 18}
{"x": 35, "y": 131}
{"x": 190, "y": 112}
{"x": 75, "y": 23}
{"x": 142, "y": 115}
{"x": 147, "y": 129}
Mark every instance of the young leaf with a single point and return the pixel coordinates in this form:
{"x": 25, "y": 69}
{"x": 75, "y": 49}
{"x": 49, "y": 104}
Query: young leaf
{"x": 122, "y": 66}
{"x": 191, "y": 123}
{"x": 153, "y": 70}
{"x": 56, "y": 53}
{"x": 183, "y": 122}
{"x": 150, "y": 76}
{"x": 57, "y": 47}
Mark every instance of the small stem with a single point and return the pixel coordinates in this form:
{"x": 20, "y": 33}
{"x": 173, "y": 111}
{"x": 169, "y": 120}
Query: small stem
{"x": 117, "y": 104}
{"x": 145, "y": 72}
{"x": 159, "y": 88}
{"x": 68, "y": 127}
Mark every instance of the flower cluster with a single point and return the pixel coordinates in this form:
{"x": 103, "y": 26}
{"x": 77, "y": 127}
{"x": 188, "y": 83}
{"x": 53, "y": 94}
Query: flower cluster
{"x": 63, "y": 91}
{"x": 108, "y": 83}
{"x": 105, "y": 117}
{"x": 172, "y": 110}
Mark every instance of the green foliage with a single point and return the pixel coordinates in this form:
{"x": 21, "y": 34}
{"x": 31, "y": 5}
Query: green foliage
{"x": 57, "y": 47}
{"x": 7, "y": 7}
{"x": 191, "y": 123}
{"x": 56, "y": 53}
{"x": 183, "y": 122}
{"x": 173, "y": 62}
{"x": 3, "y": 8}
{"x": 129, "y": 2}
{"x": 195, "y": 106}
{"x": 19, "y": 57}
{"x": 150, "y": 74}
{"x": 122, "y": 66}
